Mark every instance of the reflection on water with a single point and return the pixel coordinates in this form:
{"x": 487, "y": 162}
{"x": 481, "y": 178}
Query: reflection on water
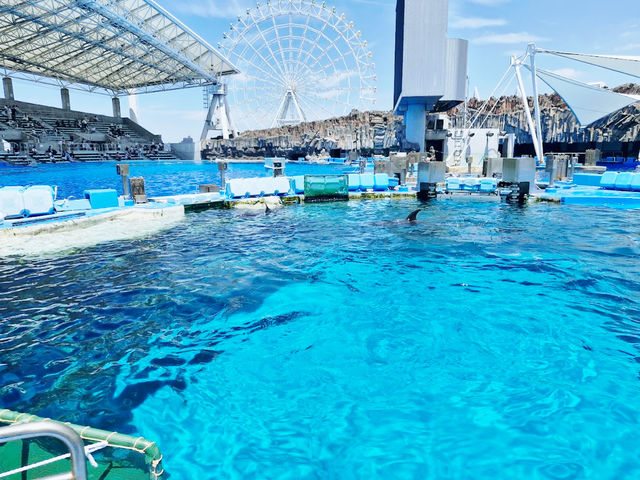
{"x": 330, "y": 341}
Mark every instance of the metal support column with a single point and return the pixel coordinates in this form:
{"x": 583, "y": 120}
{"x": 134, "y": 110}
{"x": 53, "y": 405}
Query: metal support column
{"x": 218, "y": 115}
{"x": 525, "y": 101}
{"x": 115, "y": 102}
{"x": 66, "y": 100}
{"x": 536, "y": 100}
{"x": 7, "y": 83}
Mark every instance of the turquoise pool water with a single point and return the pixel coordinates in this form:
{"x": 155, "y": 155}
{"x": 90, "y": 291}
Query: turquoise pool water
{"x": 161, "y": 178}
{"x": 332, "y": 341}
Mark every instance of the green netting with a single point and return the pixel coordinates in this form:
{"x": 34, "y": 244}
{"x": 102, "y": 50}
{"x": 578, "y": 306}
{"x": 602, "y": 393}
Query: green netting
{"x": 326, "y": 187}
{"x": 127, "y": 458}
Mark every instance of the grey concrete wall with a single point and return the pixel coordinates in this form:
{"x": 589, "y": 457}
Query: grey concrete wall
{"x": 184, "y": 150}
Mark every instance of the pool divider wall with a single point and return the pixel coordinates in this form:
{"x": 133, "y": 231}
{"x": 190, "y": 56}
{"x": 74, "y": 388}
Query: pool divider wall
{"x": 149, "y": 449}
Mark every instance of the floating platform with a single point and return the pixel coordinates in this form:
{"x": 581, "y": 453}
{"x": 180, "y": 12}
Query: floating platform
{"x": 33, "y": 222}
{"x": 60, "y": 232}
{"x": 612, "y": 189}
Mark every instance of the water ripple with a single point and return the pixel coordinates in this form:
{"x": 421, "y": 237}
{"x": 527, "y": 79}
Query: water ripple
{"x": 332, "y": 341}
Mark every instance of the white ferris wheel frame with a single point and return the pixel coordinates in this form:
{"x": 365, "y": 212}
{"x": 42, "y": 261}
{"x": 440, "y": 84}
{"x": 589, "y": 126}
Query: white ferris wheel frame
{"x": 285, "y": 77}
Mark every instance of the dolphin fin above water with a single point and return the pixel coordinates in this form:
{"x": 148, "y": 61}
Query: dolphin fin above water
{"x": 413, "y": 216}
{"x": 267, "y": 210}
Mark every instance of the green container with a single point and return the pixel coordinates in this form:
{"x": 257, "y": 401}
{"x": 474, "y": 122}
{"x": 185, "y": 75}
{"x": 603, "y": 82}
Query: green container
{"x": 322, "y": 188}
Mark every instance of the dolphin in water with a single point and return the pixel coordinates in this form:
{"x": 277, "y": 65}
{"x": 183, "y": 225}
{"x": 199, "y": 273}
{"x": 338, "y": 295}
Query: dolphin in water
{"x": 413, "y": 216}
{"x": 412, "y": 219}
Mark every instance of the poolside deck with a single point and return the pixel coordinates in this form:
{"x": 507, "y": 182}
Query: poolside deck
{"x": 591, "y": 196}
{"x": 198, "y": 202}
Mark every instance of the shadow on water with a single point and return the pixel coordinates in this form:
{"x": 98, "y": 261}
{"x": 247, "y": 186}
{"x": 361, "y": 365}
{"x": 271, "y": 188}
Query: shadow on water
{"x": 150, "y": 310}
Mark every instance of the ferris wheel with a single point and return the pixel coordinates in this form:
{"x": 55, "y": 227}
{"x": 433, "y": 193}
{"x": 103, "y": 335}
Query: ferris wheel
{"x": 299, "y": 60}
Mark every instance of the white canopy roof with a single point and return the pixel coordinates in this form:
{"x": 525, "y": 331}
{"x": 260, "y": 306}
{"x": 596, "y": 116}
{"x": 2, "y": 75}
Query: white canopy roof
{"x": 587, "y": 102}
{"x": 629, "y": 65}
{"x": 117, "y": 45}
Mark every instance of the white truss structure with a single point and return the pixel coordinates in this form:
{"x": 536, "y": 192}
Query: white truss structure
{"x": 300, "y": 61}
{"x": 588, "y": 103}
{"x": 117, "y": 46}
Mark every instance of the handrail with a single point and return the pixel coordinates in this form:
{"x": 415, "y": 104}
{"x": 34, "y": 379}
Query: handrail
{"x": 65, "y": 434}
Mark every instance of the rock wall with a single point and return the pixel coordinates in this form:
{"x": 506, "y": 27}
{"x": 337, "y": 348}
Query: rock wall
{"x": 378, "y": 131}
{"x": 372, "y": 131}
{"x": 558, "y": 123}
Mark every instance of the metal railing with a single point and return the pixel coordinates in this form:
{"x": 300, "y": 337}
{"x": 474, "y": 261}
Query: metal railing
{"x": 23, "y": 431}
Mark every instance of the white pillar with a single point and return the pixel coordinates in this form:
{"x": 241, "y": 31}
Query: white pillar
{"x": 527, "y": 110}
{"x": 415, "y": 119}
{"x": 536, "y": 101}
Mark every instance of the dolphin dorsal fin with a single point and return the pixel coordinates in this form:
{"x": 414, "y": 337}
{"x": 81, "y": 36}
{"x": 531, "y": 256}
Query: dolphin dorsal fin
{"x": 413, "y": 216}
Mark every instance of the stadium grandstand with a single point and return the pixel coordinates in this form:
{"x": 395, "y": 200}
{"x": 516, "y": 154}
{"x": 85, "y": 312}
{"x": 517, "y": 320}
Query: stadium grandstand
{"x": 111, "y": 47}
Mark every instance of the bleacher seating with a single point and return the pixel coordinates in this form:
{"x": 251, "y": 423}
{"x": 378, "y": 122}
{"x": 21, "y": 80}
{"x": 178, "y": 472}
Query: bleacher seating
{"x": 15, "y": 158}
{"x": 88, "y": 137}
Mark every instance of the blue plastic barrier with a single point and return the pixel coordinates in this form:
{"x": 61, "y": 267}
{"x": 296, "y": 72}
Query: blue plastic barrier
{"x": 587, "y": 179}
{"x": 39, "y": 200}
{"x": 453, "y": 184}
{"x": 281, "y": 186}
{"x": 237, "y": 188}
{"x": 12, "y": 202}
{"x": 470, "y": 184}
{"x": 367, "y": 181}
{"x": 381, "y": 182}
{"x": 608, "y": 180}
{"x": 263, "y": 186}
{"x": 488, "y": 185}
{"x": 102, "y": 198}
{"x": 623, "y": 181}
{"x": 297, "y": 184}
{"x": 354, "y": 182}
{"x": 635, "y": 182}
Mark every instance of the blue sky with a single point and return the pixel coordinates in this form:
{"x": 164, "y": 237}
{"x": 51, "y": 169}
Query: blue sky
{"x": 496, "y": 29}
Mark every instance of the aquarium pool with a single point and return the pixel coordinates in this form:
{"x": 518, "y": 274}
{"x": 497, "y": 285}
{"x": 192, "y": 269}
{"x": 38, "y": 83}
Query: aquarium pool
{"x": 161, "y": 177}
{"x": 333, "y": 341}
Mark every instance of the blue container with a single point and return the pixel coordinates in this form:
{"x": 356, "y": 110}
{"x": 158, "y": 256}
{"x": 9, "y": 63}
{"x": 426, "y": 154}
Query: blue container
{"x": 623, "y": 181}
{"x": 297, "y": 184}
{"x": 608, "y": 180}
{"x": 367, "y": 181}
{"x": 354, "y": 182}
{"x": 381, "y": 182}
{"x": 103, "y": 198}
{"x": 586, "y": 179}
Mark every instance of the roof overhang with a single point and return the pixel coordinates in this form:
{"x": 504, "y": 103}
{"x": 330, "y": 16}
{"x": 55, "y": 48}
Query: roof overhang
{"x": 119, "y": 46}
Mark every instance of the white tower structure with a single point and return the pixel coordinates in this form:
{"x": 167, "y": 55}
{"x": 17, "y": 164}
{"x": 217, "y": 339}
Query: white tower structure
{"x": 218, "y": 117}
{"x": 430, "y": 69}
